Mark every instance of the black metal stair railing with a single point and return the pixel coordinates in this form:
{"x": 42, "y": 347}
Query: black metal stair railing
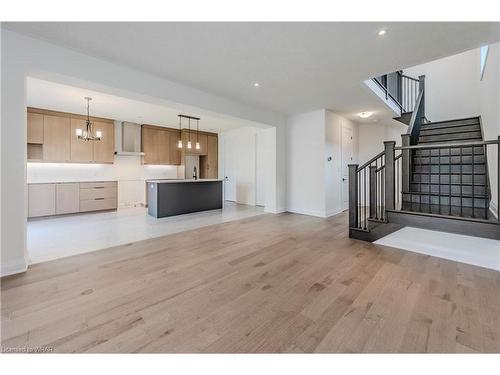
{"x": 374, "y": 187}
{"x": 401, "y": 88}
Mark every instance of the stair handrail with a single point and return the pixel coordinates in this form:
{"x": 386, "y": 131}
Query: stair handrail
{"x": 418, "y": 114}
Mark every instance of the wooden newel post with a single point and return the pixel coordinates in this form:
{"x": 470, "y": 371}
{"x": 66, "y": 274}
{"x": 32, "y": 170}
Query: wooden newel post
{"x": 389, "y": 174}
{"x": 373, "y": 191}
{"x": 406, "y": 164}
{"x": 353, "y": 196}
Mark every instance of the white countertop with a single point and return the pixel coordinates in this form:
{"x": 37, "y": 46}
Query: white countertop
{"x": 182, "y": 181}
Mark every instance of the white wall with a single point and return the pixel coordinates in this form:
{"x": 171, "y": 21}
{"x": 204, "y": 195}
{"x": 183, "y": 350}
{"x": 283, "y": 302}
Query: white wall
{"x": 451, "y": 86}
{"x": 372, "y": 137}
{"x": 242, "y": 156}
{"x": 489, "y": 108}
{"x": 24, "y": 56}
{"x": 305, "y": 167}
{"x": 127, "y": 170}
{"x": 314, "y": 184}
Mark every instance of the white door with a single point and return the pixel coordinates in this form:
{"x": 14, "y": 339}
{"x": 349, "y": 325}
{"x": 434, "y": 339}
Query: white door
{"x": 230, "y": 153}
{"x": 347, "y": 158}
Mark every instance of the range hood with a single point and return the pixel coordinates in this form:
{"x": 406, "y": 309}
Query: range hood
{"x": 128, "y": 139}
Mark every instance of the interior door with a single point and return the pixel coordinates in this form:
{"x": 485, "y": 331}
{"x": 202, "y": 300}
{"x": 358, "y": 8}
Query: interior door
{"x": 347, "y": 158}
{"x": 230, "y": 153}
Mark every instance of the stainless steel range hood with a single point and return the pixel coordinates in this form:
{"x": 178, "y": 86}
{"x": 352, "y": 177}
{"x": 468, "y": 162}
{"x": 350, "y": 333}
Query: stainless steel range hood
{"x": 128, "y": 139}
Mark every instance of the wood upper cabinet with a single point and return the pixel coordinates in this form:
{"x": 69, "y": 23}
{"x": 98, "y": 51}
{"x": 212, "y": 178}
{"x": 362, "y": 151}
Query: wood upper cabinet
{"x": 175, "y": 152}
{"x": 163, "y": 146}
{"x": 212, "y": 156}
{"x": 81, "y": 150}
{"x": 41, "y": 200}
{"x": 203, "y": 139}
{"x": 56, "y": 138}
{"x": 160, "y": 145}
{"x": 150, "y": 145}
{"x": 35, "y": 128}
{"x": 104, "y": 150}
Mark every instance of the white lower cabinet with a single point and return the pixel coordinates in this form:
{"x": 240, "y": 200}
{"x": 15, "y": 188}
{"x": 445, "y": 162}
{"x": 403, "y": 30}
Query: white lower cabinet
{"x": 42, "y": 200}
{"x": 71, "y": 197}
{"x": 67, "y": 198}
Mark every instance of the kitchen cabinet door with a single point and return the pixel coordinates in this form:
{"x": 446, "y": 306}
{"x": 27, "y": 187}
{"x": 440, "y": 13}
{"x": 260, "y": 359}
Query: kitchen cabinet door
{"x": 175, "y": 152}
{"x": 35, "y": 128}
{"x": 150, "y": 145}
{"x": 203, "y": 139}
{"x": 67, "y": 198}
{"x": 41, "y": 200}
{"x": 56, "y": 138}
{"x": 81, "y": 150}
{"x": 104, "y": 150}
{"x": 212, "y": 157}
{"x": 164, "y": 147}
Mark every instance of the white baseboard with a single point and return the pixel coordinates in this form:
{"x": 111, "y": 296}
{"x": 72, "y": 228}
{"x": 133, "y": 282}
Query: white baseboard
{"x": 303, "y": 211}
{"x": 11, "y": 268}
{"x": 494, "y": 209}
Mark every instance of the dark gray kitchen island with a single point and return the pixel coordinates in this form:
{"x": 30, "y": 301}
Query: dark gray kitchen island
{"x": 177, "y": 197}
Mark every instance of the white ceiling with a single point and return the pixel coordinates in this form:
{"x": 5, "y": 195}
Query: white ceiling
{"x": 299, "y": 66}
{"x": 58, "y": 97}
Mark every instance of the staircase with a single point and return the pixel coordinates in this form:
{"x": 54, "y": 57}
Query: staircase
{"x": 438, "y": 179}
{"x": 441, "y": 179}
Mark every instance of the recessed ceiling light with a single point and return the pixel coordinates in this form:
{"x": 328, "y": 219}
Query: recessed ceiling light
{"x": 256, "y": 84}
{"x": 382, "y": 32}
{"x": 365, "y": 114}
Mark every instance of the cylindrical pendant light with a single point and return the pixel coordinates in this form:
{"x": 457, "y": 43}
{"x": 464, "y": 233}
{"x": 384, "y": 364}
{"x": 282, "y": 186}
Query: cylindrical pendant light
{"x": 197, "y": 134}
{"x": 189, "y": 134}
{"x": 179, "y": 142}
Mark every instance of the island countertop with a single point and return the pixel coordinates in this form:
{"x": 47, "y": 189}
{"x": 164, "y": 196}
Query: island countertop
{"x": 167, "y": 181}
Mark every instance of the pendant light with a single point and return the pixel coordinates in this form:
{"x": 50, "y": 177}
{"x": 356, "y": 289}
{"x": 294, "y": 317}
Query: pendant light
{"x": 189, "y": 133}
{"x": 88, "y": 134}
{"x": 197, "y": 134}
{"x": 179, "y": 142}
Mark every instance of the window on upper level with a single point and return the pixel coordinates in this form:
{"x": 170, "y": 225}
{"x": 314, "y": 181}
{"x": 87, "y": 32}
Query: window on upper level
{"x": 483, "y": 55}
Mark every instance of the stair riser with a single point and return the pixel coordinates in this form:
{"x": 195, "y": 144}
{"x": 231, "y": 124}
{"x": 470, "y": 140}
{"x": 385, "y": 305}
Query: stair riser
{"x": 455, "y": 129}
{"x": 449, "y": 124}
{"x": 445, "y": 189}
{"x": 445, "y": 201}
{"x": 436, "y": 160}
{"x": 445, "y": 179}
{"x": 451, "y": 168}
{"x": 479, "y": 213}
{"x": 478, "y": 150}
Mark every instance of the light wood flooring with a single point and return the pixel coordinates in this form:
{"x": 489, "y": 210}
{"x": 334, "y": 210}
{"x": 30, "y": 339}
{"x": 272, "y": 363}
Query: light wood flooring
{"x": 270, "y": 283}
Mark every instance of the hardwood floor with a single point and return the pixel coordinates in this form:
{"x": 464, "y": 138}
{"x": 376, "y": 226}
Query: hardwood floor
{"x": 270, "y": 283}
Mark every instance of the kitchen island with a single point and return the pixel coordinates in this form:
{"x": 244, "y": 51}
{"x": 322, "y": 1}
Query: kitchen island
{"x": 177, "y": 197}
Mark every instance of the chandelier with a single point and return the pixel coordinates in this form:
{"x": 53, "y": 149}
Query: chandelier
{"x": 87, "y": 134}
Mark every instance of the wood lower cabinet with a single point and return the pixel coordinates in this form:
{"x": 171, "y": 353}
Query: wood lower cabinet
{"x": 67, "y": 198}
{"x": 56, "y": 138}
{"x": 96, "y": 196}
{"x": 52, "y": 138}
{"x": 41, "y": 200}
{"x": 71, "y": 197}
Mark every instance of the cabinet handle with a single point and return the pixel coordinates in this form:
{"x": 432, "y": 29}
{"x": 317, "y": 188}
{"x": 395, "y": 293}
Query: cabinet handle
{"x": 98, "y": 187}
{"x": 98, "y": 199}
